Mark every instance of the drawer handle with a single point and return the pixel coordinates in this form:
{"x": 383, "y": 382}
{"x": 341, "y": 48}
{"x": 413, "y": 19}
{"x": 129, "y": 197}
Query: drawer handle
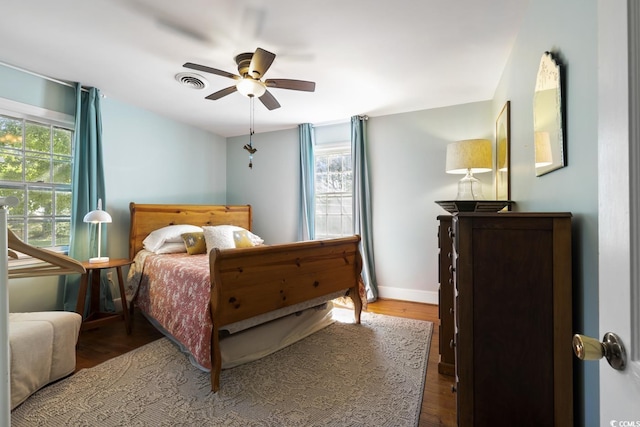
{"x": 452, "y": 343}
{"x": 451, "y": 269}
{"x": 453, "y": 389}
{"x": 451, "y": 310}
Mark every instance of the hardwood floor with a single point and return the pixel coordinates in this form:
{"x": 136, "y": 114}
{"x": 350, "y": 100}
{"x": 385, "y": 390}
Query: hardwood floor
{"x": 438, "y": 404}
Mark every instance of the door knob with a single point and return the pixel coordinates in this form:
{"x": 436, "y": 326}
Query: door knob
{"x": 587, "y": 348}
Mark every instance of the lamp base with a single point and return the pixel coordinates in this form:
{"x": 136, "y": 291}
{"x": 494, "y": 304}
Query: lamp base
{"x": 469, "y": 188}
{"x": 98, "y": 260}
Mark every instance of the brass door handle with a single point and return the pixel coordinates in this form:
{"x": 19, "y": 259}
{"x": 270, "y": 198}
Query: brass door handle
{"x": 611, "y": 347}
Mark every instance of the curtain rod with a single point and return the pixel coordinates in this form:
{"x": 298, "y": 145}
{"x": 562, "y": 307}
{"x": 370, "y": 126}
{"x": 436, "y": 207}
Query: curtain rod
{"x": 62, "y": 82}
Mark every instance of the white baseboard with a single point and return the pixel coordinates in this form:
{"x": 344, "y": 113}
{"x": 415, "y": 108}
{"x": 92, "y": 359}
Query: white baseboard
{"x": 414, "y": 295}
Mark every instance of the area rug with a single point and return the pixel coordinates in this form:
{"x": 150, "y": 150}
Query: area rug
{"x": 344, "y": 375}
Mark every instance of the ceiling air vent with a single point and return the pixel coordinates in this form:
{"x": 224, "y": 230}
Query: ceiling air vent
{"x": 192, "y": 80}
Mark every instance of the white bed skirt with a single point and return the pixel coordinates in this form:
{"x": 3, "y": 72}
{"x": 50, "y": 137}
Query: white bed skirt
{"x": 262, "y": 340}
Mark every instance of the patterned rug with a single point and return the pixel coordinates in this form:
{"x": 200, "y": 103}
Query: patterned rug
{"x": 344, "y": 375}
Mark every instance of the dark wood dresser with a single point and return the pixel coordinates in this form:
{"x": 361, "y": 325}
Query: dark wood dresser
{"x": 446, "y": 364}
{"x": 513, "y": 316}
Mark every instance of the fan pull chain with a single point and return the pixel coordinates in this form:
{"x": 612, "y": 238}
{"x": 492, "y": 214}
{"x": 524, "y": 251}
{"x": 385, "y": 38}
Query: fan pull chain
{"x": 249, "y": 146}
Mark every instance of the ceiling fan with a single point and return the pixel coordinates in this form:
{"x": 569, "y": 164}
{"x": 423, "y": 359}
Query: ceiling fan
{"x": 252, "y": 68}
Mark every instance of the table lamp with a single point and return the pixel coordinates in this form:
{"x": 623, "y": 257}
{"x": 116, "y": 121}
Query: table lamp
{"x": 468, "y": 157}
{"x": 98, "y": 217}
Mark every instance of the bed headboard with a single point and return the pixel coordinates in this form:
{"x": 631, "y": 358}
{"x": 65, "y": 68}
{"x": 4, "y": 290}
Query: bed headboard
{"x": 146, "y": 217}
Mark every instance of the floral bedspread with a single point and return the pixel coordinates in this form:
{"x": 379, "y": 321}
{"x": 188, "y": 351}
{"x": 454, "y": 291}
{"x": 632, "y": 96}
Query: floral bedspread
{"x": 174, "y": 290}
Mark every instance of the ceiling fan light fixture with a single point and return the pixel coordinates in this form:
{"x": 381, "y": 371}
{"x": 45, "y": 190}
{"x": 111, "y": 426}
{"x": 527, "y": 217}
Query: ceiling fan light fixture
{"x": 250, "y": 87}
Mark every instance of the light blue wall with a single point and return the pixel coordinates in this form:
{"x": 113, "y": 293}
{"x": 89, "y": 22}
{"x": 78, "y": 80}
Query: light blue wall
{"x": 407, "y": 158}
{"x": 567, "y": 28}
{"x": 147, "y": 159}
{"x": 150, "y": 159}
{"x": 271, "y": 187}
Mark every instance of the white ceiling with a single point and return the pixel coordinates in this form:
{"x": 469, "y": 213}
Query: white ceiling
{"x": 367, "y": 57}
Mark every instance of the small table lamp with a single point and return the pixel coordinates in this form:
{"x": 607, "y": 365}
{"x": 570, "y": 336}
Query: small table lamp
{"x": 98, "y": 217}
{"x": 468, "y": 157}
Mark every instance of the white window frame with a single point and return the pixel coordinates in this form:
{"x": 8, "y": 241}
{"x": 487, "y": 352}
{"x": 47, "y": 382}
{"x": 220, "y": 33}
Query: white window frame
{"x": 341, "y": 148}
{"x": 53, "y": 119}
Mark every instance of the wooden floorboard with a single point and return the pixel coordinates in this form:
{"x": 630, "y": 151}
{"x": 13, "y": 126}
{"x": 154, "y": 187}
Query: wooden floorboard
{"x": 438, "y": 404}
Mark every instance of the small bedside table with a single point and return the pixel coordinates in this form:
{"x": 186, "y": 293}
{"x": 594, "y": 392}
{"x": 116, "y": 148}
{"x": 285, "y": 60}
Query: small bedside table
{"x": 96, "y": 318}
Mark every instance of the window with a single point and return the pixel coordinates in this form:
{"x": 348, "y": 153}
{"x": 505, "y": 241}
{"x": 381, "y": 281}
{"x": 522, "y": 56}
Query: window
{"x": 334, "y": 191}
{"x": 36, "y": 167}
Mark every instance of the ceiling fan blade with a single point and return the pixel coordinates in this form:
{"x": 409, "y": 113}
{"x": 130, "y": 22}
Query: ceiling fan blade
{"x": 224, "y": 92}
{"x": 260, "y": 63}
{"x": 291, "y": 84}
{"x": 211, "y": 70}
{"x": 269, "y": 101}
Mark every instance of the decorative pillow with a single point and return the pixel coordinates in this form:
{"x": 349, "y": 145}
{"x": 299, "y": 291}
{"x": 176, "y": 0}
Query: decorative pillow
{"x": 221, "y": 236}
{"x": 168, "y": 234}
{"x": 241, "y": 239}
{"x": 171, "y": 248}
{"x": 195, "y": 243}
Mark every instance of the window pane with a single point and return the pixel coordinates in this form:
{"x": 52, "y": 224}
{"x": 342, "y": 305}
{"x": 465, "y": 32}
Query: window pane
{"x": 62, "y": 141}
{"x": 321, "y": 164}
{"x": 335, "y": 182}
{"x": 334, "y": 226}
{"x": 63, "y": 203}
{"x": 40, "y": 202}
{"x": 335, "y": 164}
{"x": 348, "y": 182}
{"x": 38, "y": 137}
{"x": 347, "y": 225}
{"x": 321, "y": 183}
{"x": 10, "y": 133}
{"x": 334, "y": 205}
{"x": 63, "y": 231}
{"x": 11, "y": 166}
{"x": 61, "y": 172}
{"x": 38, "y": 169}
{"x": 17, "y": 226}
{"x": 40, "y": 232}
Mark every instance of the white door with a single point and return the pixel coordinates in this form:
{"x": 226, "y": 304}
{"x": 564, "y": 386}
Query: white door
{"x": 619, "y": 207}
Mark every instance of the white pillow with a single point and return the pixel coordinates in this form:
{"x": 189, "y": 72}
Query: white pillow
{"x": 221, "y": 236}
{"x": 168, "y": 234}
{"x": 171, "y": 248}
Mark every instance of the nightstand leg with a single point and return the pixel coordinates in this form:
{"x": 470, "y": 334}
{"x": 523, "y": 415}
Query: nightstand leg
{"x": 123, "y": 300}
{"x": 82, "y": 294}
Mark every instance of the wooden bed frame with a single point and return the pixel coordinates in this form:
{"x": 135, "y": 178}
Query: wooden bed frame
{"x": 248, "y": 282}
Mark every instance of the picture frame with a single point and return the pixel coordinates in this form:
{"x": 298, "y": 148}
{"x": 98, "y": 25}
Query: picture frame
{"x": 503, "y": 153}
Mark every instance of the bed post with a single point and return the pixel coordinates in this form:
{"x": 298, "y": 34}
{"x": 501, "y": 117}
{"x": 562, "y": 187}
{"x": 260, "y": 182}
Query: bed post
{"x": 216, "y": 358}
{"x": 354, "y": 293}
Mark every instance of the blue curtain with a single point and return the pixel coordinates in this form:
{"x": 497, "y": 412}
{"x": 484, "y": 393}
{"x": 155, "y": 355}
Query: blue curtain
{"x": 362, "y": 214}
{"x": 306, "y": 229}
{"x": 88, "y": 186}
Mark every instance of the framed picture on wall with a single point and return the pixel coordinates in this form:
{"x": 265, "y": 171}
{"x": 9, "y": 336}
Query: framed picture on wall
{"x": 503, "y": 153}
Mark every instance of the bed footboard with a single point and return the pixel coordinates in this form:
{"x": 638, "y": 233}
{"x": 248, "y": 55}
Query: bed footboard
{"x": 249, "y": 282}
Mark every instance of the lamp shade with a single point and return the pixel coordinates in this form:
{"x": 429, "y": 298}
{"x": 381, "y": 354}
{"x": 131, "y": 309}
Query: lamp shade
{"x": 470, "y": 155}
{"x": 97, "y": 216}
